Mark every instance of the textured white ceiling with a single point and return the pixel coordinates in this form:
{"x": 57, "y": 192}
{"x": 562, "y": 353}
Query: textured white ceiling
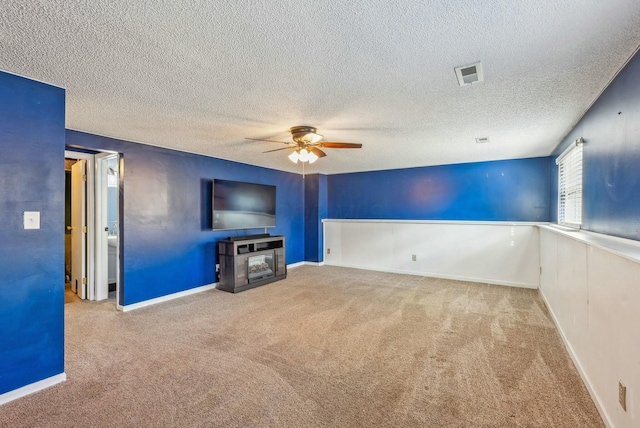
{"x": 200, "y": 76}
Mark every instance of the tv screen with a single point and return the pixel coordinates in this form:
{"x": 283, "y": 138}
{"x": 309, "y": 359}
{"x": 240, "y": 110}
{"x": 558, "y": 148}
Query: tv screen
{"x": 239, "y": 205}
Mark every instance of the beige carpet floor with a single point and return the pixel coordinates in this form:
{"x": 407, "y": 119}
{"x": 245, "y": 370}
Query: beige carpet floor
{"x": 70, "y": 296}
{"x": 327, "y": 347}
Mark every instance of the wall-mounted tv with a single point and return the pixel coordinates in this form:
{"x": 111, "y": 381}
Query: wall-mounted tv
{"x": 239, "y": 205}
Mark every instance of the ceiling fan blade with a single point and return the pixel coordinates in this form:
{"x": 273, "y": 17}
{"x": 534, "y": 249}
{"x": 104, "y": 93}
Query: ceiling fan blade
{"x": 270, "y": 141}
{"x": 318, "y": 152}
{"x": 333, "y": 145}
{"x": 275, "y": 150}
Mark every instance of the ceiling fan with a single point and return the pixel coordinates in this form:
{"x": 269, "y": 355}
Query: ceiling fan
{"x": 307, "y": 144}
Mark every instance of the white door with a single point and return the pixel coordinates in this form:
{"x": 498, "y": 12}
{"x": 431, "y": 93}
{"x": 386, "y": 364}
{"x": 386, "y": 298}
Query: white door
{"x": 104, "y": 239}
{"x": 79, "y": 228}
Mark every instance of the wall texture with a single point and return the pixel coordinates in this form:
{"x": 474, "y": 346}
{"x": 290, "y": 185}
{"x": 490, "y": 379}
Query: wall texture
{"x": 611, "y": 186}
{"x": 512, "y": 190}
{"x": 31, "y": 261}
{"x": 166, "y": 235}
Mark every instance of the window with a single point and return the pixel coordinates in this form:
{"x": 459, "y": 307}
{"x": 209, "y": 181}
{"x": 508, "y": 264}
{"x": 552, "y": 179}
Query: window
{"x": 570, "y": 185}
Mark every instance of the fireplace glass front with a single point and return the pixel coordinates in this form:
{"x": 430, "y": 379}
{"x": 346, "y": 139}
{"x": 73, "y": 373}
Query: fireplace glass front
{"x": 260, "y": 267}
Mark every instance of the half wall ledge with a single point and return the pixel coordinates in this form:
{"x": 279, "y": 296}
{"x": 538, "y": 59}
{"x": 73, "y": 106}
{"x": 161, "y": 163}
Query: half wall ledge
{"x": 622, "y": 247}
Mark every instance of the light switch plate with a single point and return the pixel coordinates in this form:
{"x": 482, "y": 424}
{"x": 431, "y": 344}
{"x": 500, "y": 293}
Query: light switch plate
{"x": 32, "y": 219}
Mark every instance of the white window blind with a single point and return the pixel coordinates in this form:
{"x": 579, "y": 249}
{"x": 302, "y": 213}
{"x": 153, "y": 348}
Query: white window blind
{"x": 570, "y": 185}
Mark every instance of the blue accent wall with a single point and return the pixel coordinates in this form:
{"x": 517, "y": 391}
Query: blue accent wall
{"x": 31, "y": 261}
{"x": 311, "y": 192}
{"x": 323, "y": 212}
{"x": 166, "y": 235}
{"x": 611, "y": 158}
{"x": 316, "y": 209}
{"x": 510, "y": 190}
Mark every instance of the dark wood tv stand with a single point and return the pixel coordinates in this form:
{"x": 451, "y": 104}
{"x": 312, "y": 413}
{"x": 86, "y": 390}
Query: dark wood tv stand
{"x": 251, "y": 262}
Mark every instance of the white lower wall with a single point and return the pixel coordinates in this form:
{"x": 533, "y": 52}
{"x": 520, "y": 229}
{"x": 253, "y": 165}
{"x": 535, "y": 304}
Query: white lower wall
{"x": 590, "y": 283}
{"x": 492, "y": 252}
{"x": 594, "y": 297}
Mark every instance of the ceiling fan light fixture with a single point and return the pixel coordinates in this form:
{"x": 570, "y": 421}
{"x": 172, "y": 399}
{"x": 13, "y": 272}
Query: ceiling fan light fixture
{"x": 307, "y": 145}
{"x": 312, "y": 157}
{"x": 293, "y": 157}
{"x": 312, "y": 137}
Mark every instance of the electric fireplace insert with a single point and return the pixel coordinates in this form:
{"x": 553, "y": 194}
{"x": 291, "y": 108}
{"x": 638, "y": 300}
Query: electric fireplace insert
{"x": 250, "y": 261}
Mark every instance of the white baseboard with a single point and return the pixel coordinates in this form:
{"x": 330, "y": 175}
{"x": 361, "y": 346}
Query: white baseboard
{"x": 295, "y": 265}
{"x": 444, "y": 276}
{"x": 127, "y": 308}
{"x": 31, "y": 388}
{"x": 576, "y": 362}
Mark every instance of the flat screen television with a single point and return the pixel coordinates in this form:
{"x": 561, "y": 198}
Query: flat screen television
{"x": 240, "y": 205}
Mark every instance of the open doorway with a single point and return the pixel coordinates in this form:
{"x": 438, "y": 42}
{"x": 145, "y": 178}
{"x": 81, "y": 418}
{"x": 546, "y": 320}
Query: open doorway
{"x": 92, "y": 260}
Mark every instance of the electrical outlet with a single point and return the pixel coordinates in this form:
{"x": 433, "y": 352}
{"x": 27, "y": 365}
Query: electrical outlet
{"x": 413, "y": 257}
{"x": 622, "y": 395}
{"x": 328, "y": 250}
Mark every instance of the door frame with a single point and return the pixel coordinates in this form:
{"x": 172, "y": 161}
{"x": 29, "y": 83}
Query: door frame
{"x": 102, "y": 250}
{"x": 93, "y": 225}
{"x": 90, "y": 210}
{"x": 79, "y": 228}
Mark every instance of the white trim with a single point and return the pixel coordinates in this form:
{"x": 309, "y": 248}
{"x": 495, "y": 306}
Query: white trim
{"x": 303, "y": 263}
{"x": 91, "y": 257}
{"x": 32, "y": 387}
{"x": 444, "y": 276}
{"x": 127, "y": 308}
{"x": 161, "y": 299}
{"x": 462, "y": 222}
{"x": 576, "y": 362}
{"x": 100, "y": 285}
{"x": 622, "y": 247}
{"x": 295, "y": 265}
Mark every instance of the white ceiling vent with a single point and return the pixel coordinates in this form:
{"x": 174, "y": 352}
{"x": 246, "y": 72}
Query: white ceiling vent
{"x": 469, "y": 74}
{"x": 482, "y": 140}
